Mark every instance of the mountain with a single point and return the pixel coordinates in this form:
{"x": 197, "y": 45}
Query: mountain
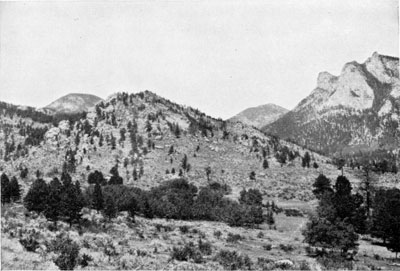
{"x": 261, "y": 115}
{"x": 72, "y": 103}
{"x": 357, "y": 110}
{"x": 150, "y": 135}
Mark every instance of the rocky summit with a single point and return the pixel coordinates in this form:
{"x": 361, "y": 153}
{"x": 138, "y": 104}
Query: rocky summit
{"x": 72, "y": 103}
{"x": 357, "y": 110}
{"x": 260, "y": 116}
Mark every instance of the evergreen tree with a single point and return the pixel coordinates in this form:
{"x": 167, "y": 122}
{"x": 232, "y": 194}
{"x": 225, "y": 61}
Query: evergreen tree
{"x": 96, "y": 177}
{"x": 110, "y": 208}
{"x": 265, "y": 164}
{"x": 135, "y": 174}
{"x": 36, "y": 198}
{"x": 252, "y": 175}
{"x": 208, "y": 172}
{"x": 322, "y": 185}
{"x": 97, "y": 201}
{"x": 5, "y": 189}
{"x": 184, "y": 163}
{"x": 148, "y": 126}
{"x": 307, "y": 159}
{"x": 15, "y": 189}
{"x": 53, "y": 209}
{"x": 72, "y": 200}
{"x": 115, "y": 178}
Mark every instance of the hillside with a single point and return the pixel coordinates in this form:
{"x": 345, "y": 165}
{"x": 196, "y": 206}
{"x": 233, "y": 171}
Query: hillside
{"x": 357, "y": 110}
{"x": 232, "y": 150}
{"x": 72, "y": 103}
{"x": 148, "y": 138}
{"x": 260, "y": 116}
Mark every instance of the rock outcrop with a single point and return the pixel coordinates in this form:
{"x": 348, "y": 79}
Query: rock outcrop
{"x": 360, "y": 106}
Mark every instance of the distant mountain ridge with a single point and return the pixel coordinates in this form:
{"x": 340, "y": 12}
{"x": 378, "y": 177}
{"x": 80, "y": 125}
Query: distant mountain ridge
{"x": 260, "y": 116}
{"x": 73, "y": 103}
{"x": 359, "y": 109}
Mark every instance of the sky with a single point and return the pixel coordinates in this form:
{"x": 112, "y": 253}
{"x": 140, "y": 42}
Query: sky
{"x": 218, "y": 56}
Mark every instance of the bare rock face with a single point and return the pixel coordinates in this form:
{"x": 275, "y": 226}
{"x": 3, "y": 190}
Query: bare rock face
{"x": 261, "y": 115}
{"x": 360, "y": 105}
{"x": 385, "y": 69}
{"x": 73, "y": 103}
{"x": 351, "y": 89}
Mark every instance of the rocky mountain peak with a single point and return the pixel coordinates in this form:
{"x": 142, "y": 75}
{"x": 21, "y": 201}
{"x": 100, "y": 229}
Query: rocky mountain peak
{"x": 73, "y": 103}
{"x": 384, "y": 68}
{"x": 361, "y": 106}
{"x": 260, "y": 116}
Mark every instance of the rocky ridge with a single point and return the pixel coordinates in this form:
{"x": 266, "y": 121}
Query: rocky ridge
{"x": 72, "y": 103}
{"x": 260, "y": 116}
{"x": 359, "y": 109}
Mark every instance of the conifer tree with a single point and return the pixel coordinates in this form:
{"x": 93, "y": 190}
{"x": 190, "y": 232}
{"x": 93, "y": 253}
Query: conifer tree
{"x": 53, "y": 209}
{"x": 97, "y": 201}
{"x": 110, "y": 208}
{"x": 265, "y": 164}
{"x": 15, "y": 189}
{"x": 5, "y": 189}
{"x": 36, "y": 198}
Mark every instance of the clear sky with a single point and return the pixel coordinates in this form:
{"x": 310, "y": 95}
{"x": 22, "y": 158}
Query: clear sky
{"x": 218, "y": 56}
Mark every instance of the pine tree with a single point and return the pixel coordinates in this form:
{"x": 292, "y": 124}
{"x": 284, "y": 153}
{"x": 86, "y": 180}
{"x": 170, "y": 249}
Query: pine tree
{"x": 208, "y": 172}
{"x": 110, "y": 208}
{"x": 265, "y": 164}
{"x": 307, "y": 159}
{"x": 36, "y": 198}
{"x": 322, "y": 185}
{"x": 97, "y": 201}
{"x": 184, "y": 163}
{"x": 5, "y": 189}
{"x": 72, "y": 200}
{"x": 53, "y": 209}
{"x": 15, "y": 189}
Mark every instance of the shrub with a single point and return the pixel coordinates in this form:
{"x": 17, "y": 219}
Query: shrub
{"x": 286, "y": 248}
{"x": 267, "y": 247}
{"x": 205, "y": 247}
{"x": 68, "y": 253}
{"x": 231, "y": 260}
{"x": 188, "y": 251}
{"x": 233, "y": 238}
{"x": 217, "y": 234}
{"x": 293, "y": 212}
{"x": 30, "y": 242}
{"x": 184, "y": 229}
{"x": 84, "y": 261}
{"x": 260, "y": 235}
{"x": 335, "y": 262}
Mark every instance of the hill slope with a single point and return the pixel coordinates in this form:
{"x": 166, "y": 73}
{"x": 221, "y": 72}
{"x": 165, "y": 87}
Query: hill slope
{"x": 261, "y": 115}
{"x": 73, "y": 103}
{"x": 357, "y": 110}
{"x": 148, "y": 137}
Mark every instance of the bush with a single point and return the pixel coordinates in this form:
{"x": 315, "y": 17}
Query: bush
{"x": 286, "y": 248}
{"x": 205, "y": 247}
{"x": 293, "y": 212}
{"x": 233, "y": 238}
{"x": 231, "y": 260}
{"x": 267, "y": 247}
{"x": 184, "y": 229}
{"x": 30, "y": 242}
{"x": 84, "y": 261}
{"x": 217, "y": 234}
{"x": 189, "y": 251}
{"x": 260, "y": 235}
{"x": 335, "y": 262}
{"x": 68, "y": 253}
